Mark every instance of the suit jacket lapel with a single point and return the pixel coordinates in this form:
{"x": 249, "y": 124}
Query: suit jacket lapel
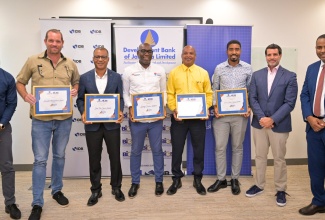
{"x": 264, "y": 81}
{"x": 92, "y": 80}
{"x": 109, "y": 81}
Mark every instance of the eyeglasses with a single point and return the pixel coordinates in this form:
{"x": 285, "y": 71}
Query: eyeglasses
{"x": 146, "y": 51}
{"x": 100, "y": 57}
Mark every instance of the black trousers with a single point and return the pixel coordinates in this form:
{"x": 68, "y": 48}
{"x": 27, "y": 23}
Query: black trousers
{"x": 178, "y": 132}
{"x": 94, "y": 141}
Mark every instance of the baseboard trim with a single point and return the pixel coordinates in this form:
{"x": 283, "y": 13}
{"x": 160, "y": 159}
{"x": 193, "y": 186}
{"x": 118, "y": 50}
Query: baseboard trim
{"x": 23, "y": 167}
{"x": 270, "y": 162}
{"x": 294, "y": 161}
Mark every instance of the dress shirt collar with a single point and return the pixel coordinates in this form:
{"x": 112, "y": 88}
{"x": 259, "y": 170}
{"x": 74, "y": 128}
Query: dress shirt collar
{"x": 239, "y": 64}
{"x": 142, "y": 68}
{"x": 275, "y": 69}
{"x": 103, "y": 77}
{"x": 184, "y": 68}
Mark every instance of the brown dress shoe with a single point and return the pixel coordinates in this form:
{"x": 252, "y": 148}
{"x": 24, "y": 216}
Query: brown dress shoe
{"x": 312, "y": 209}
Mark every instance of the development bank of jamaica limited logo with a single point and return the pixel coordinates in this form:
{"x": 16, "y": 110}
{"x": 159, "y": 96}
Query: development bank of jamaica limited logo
{"x": 126, "y": 154}
{"x": 78, "y": 149}
{"x": 126, "y": 128}
{"x": 149, "y": 36}
{"x": 127, "y": 141}
{"x": 167, "y": 154}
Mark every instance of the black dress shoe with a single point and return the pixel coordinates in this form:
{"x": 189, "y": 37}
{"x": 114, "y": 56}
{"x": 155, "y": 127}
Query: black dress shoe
{"x": 119, "y": 196}
{"x": 218, "y": 185}
{"x": 199, "y": 187}
{"x": 312, "y": 209}
{"x": 35, "y": 213}
{"x": 177, "y": 183}
{"x": 133, "y": 190}
{"x": 235, "y": 188}
{"x": 93, "y": 199}
{"x": 13, "y": 211}
{"x": 159, "y": 189}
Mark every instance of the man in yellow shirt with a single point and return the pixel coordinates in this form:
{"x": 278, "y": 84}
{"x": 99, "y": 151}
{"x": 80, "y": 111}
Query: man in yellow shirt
{"x": 185, "y": 79}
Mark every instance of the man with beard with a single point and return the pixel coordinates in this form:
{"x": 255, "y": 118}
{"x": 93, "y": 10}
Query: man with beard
{"x": 231, "y": 74}
{"x": 50, "y": 68}
{"x": 145, "y": 77}
{"x": 272, "y": 96}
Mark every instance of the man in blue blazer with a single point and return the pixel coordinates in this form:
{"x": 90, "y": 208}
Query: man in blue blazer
{"x": 102, "y": 80}
{"x": 272, "y": 97}
{"x": 313, "y": 115}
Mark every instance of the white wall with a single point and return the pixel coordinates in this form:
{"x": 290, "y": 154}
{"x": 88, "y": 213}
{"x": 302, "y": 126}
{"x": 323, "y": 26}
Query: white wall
{"x": 289, "y": 23}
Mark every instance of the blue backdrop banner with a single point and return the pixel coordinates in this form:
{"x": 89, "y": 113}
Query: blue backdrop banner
{"x": 210, "y": 43}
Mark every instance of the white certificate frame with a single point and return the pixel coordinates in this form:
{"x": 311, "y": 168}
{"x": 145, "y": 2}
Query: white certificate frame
{"x": 160, "y": 113}
{"x": 202, "y": 113}
{"x": 39, "y": 90}
{"x": 231, "y": 92}
{"x": 103, "y": 98}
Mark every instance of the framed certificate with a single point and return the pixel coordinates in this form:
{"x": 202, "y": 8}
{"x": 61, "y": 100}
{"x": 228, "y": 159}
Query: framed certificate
{"x": 148, "y": 106}
{"x": 102, "y": 107}
{"x": 52, "y": 100}
{"x": 232, "y": 102}
{"x": 191, "y": 106}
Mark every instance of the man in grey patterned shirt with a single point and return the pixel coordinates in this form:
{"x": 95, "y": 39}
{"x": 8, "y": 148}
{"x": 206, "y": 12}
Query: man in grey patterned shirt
{"x": 231, "y": 74}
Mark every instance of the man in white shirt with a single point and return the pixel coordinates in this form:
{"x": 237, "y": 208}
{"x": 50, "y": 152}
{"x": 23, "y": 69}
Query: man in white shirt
{"x": 144, "y": 77}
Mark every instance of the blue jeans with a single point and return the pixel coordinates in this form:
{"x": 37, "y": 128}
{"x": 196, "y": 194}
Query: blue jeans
{"x": 138, "y": 134}
{"x": 42, "y": 132}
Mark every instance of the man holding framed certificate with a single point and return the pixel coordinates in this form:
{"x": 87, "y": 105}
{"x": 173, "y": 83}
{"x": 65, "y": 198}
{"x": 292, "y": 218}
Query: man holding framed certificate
{"x": 233, "y": 78}
{"x": 188, "y": 86}
{"x": 144, "y": 91}
{"x": 102, "y": 85}
{"x": 49, "y": 69}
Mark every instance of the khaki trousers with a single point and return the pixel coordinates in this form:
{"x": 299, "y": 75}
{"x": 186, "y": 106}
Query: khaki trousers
{"x": 263, "y": 139}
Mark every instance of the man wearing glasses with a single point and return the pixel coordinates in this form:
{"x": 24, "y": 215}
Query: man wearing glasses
{"x": 145, "y": 77}
{"x": 102, "y": 81}
{"x": 50, "y": 68}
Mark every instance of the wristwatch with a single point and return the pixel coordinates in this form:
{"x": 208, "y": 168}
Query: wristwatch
{"x": 2, "y": 127}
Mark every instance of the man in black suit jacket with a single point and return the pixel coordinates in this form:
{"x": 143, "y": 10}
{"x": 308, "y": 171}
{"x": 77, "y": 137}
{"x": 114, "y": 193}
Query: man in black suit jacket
{"x": 102, "y": 80}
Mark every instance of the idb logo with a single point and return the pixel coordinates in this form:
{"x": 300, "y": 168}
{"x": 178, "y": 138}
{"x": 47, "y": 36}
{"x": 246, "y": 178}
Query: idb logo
{"x": 127, "y": 141}
{"x": 125, "y": 115}
{"x": 72, "y": 31}
{"x": 149, "y": 36}
{"x": 77, "y": 148}
{"x": 76, "y": 120}
{"x": 98, "y": 45}
{"x": 76, "y": 61}
{"x": 76, "y": 46}
{"x": 79, "y": 134}
{"x": 95, "y": 31}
